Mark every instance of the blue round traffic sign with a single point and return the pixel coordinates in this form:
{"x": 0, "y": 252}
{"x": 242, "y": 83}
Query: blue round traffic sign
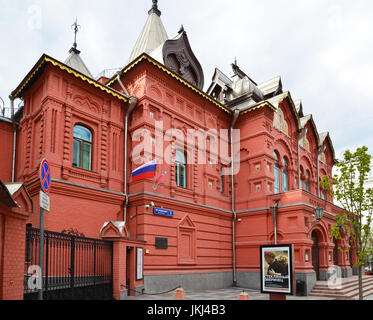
{"x": 45, "y": 176}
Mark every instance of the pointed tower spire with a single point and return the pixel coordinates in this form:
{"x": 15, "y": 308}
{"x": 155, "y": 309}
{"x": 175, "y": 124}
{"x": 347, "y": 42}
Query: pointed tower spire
{"x": 74, "y": 60}
{"x": 152, "y": 35}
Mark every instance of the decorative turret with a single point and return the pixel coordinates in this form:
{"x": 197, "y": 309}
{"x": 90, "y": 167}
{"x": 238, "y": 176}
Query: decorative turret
{"x": 176, "y": 53}
{"x": 152, "y": 35}
{"x": 74, "y": 60}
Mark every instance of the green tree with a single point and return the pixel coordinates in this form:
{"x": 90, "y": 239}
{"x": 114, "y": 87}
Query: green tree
{"x": 347, "y": 186}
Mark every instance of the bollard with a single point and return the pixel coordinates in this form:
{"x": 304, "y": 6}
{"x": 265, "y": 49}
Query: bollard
{"x": 179, "y": 294}
{"x": 243, "y": 296}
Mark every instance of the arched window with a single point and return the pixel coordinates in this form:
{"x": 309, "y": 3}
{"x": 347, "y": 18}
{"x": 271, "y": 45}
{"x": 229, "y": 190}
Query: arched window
{"x": 276, "y": 173}
{"x": 82, "y": 148}
{"x": 180, "y": 168}
{"x": 307, "y": 181}
{"x": 285, "y": 176}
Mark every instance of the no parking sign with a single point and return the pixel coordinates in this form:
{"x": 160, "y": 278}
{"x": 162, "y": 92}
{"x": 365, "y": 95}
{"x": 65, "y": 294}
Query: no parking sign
{"x": 45, "y": 181}
{"x": 45, "y": 175}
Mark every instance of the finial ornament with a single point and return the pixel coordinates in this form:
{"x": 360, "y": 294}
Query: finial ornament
{"x": 235, "y": 66}
{"x": 155, "y": 9}
{"x": 75, "y": 26}
{"x": 181, "y": 29}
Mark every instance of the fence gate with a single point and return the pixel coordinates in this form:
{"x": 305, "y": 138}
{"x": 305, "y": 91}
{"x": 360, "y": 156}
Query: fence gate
{"x": 74, "y": 267}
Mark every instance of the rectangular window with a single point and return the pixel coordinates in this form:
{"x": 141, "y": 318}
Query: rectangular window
{"x": 323, "y": 194}
{"x": 76, "y": 153}
{"x": 86, "y": 156}
{"x": 180, "y": 175}
{"x": 285, "y": 185}
{"x": 307, "y": 186}
{"x": 221, "y": 181}
{"x": 276, "y": 186}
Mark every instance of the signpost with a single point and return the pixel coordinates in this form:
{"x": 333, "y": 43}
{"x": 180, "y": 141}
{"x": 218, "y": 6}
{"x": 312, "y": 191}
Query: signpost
{"x": 45, "y": 181}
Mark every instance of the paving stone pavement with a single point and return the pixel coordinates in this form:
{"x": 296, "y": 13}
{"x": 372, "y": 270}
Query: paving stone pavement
{"x": 219, "y": 294}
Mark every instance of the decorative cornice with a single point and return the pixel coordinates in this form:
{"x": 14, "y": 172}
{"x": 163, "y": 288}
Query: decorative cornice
{"x": 17, "y": 93}
{"x": 260, "y": 105}
{"x": 146, "y": 58}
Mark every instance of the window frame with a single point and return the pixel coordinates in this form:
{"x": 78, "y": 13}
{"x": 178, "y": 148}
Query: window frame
{"x": 180, "y": 165}
{"x": 307, "y": 181}
{"x": 276, "y": 170}
{"x": 285, "y": 175}
{"x": 82, "y": 143}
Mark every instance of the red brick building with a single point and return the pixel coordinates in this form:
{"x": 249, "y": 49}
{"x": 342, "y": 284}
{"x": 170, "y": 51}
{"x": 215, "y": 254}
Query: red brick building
{"x": 86, "y": 128}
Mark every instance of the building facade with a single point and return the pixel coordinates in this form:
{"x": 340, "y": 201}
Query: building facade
{"x": 88, "y": 129}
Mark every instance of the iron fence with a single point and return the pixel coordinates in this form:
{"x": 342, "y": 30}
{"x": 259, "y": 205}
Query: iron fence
{"x": 74, "y": 267}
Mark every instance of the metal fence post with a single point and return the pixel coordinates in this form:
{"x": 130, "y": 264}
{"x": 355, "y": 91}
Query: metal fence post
{"x": 72, "y": 267}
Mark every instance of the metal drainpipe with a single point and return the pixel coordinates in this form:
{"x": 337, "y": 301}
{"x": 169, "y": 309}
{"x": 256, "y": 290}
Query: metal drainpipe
{"x": 131, "y": 107}
{"x": 274, "y": 217}
{"x": 14, "y": 137}
{"x": 235, "y": 117}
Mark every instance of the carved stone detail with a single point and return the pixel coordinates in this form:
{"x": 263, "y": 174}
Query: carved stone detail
{"x": 179, "y": 57}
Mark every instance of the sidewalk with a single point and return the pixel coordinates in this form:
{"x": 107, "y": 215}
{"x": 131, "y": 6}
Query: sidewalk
{"x": 221, "y": 294}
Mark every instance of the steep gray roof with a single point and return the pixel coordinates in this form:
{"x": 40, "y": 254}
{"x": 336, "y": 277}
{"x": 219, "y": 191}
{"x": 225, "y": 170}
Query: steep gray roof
{"x": 271, "y": 87}
{"x": 322, "y": 136}
{"x": 76, "y": 62}
{"x": 304, "y": 120}
{"x": 151, "y": 37}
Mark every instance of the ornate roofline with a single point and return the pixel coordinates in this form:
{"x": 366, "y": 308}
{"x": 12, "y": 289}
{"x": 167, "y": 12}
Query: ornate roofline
{"x": 146, "y": 58}
{"x": 287, "y": 96}
{"x": 258, "y": 106}
{"x": 313, "y": 125}
{"x": 330, "y": 145}
{"x": 45, "y": 59}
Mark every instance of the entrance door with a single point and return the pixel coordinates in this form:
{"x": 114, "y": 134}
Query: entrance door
{"x": 128, "y": 270}
{"x": 315, "y": 254}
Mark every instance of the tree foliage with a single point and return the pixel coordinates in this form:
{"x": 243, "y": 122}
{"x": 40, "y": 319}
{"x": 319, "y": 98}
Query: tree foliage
{"x": 348, "y": 188}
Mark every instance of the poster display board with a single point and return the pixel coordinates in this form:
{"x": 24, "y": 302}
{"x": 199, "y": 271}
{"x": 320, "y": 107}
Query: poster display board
{"x": 139, "y": 263}
{"x": 276, "y": 269}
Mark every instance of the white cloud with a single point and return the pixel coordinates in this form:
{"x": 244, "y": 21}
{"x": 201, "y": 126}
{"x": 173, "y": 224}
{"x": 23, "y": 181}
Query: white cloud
{"x": 322, "y": 48}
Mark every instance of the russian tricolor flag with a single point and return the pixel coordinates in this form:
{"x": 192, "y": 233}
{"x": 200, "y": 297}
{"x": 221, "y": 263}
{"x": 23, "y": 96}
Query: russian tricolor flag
{"x": 146, "y": 171}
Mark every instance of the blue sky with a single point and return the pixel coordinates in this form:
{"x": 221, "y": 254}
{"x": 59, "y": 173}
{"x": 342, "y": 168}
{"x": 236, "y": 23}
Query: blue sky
{"x": 322, "y": 49}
